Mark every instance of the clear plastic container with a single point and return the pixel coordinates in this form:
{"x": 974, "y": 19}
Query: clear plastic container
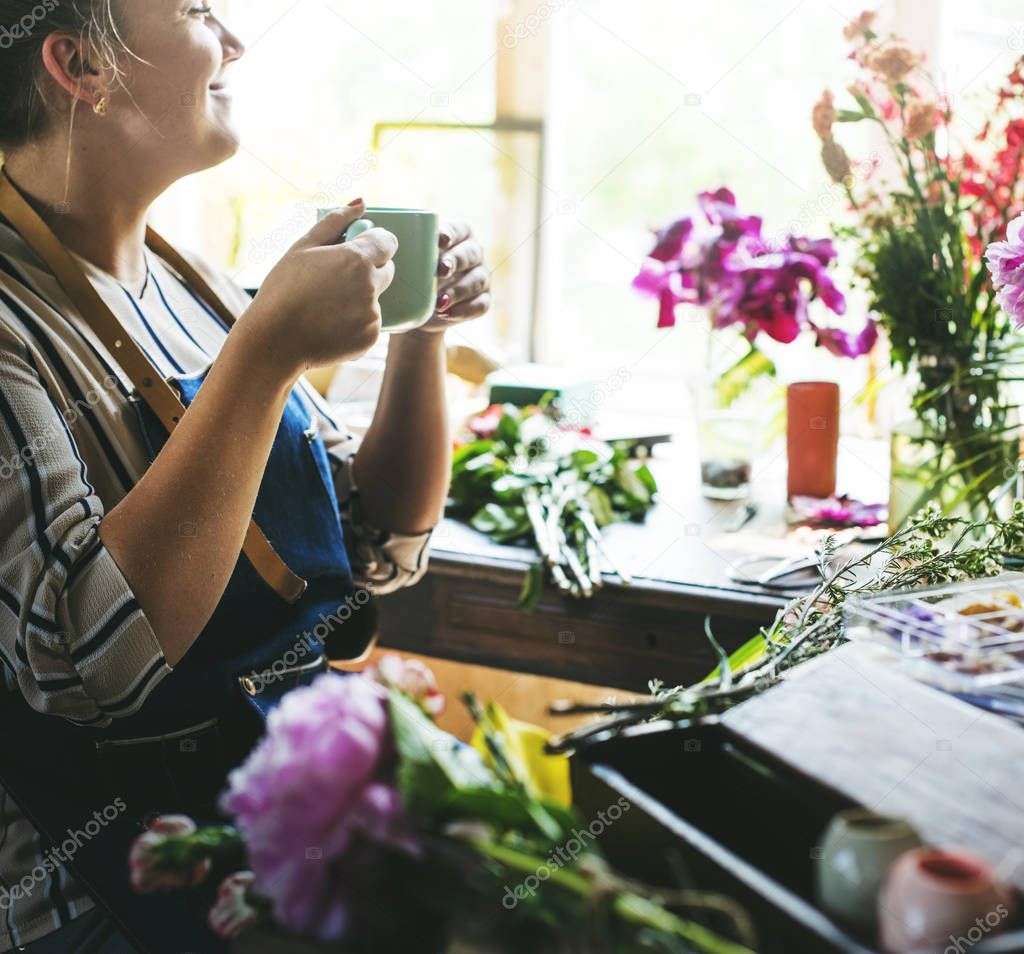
{"x": 962, "y": 637}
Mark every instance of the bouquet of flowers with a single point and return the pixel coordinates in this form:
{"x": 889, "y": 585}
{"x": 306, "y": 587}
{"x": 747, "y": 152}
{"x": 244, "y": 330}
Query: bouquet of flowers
{"x": 528, "y": 476}
{"x": 744, "y": 281}
{"x": 921, "y": 225}
{"x": 364, "y": 827}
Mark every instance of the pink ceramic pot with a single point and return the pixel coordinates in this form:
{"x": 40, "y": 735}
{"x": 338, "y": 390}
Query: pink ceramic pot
{"x": 933, "y": 899}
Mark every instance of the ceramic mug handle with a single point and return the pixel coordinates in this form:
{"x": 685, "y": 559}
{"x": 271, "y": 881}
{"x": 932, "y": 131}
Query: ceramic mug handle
{"x": 357, "y": 228}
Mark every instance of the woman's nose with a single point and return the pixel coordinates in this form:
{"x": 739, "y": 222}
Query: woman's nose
{"x": 232, "y": 45}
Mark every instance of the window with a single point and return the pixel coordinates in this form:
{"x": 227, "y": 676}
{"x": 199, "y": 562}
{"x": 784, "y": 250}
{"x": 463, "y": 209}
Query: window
{"x": 563, "y": 130}
{"x": 337, "y": 100}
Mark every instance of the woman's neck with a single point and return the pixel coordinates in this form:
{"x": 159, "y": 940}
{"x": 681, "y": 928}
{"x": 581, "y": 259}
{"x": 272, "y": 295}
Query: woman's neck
{"x": 101, "y": 216}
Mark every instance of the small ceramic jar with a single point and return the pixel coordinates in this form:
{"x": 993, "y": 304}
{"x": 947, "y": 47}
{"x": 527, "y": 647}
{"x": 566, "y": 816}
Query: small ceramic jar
{"x": 856, "y": 852}
{"x": 932, "y": 898}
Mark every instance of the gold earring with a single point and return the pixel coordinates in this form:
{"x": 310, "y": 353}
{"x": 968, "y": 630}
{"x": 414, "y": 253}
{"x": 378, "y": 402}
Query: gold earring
{"x": 100, "y": 106}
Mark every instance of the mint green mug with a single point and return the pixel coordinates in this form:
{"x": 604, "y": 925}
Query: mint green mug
{"x": 411, "y": 299}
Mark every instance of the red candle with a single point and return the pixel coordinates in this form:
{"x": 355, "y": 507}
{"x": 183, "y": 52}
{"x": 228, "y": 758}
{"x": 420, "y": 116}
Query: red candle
{"x": 812, "y": 438}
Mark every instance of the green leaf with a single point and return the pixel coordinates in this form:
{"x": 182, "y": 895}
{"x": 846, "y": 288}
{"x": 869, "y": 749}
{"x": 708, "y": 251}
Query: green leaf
{"x": 478, "y": 463}
{"x": 749, "y": 652}
{"x": 508, "y": 426}
{"x": 466, "y": 451}
{"x": 864, "y": 103}
{"x": 637, "y": 492}
{"x": 509, "y": 809}
{"x": 644, "y": 475}
{"x": 584, "y": 459}
{"x": 509, "y": 487}
{"x": 432, "y": 763}
{"x": 600, "y": 506}
{"x": 502, "y": 522}
{"x": 518, "y": 526}
{"x": 533, "y": 587}
{"x": 496, "y": 518}
{"x": 741, "y": 375}
{"x": 849, "y": 116}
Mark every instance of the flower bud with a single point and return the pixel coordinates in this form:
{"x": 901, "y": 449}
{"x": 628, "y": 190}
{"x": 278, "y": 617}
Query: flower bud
{"x": 824, "y": 115}
{"x": 410, "y": 677}
{"x": 154, "y": 868}
{"x": 892, "y": 59}
{"x": 837, "y": 162}
{"x": 860, "y": 26}
{"x": 920, "y": 119}
{"x": 233, "y": 913}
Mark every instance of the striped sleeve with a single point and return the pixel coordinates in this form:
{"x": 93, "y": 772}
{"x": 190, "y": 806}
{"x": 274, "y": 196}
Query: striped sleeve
{"x": 72, "y": 634}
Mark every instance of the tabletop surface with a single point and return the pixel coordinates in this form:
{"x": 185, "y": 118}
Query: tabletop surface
{"x": 687, "y": 539}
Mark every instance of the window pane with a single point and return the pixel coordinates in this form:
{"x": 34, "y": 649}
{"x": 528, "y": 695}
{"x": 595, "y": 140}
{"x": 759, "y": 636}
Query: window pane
{"x": 314, "y": 81}
{"x": 981, "y": 39}
{"x": 658, "y": 106}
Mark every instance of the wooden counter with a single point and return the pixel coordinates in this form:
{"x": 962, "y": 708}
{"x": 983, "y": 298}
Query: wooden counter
{"x": 466, "y": 607}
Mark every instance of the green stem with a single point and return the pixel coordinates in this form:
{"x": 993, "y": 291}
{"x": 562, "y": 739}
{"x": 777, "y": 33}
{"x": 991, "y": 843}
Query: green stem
{"x": 629, "y": 906}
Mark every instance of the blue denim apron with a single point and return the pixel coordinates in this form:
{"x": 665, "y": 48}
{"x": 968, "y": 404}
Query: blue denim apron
{"x": 208, "y": 712}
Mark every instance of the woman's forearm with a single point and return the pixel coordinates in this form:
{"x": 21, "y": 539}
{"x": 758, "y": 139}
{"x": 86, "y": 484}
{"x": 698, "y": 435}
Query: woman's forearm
{"x": 403, "y": 465}
{"x": 177, "y": 535}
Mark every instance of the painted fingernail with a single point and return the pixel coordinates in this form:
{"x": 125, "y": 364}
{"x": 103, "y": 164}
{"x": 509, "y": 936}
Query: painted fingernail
{"x": 447, "y": 267}
{"x": 355, "y": 202}
{"x": 445, "y": 240}
{"x": 444, "y": 302}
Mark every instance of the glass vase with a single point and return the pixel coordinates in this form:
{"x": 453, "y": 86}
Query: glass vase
{"x": 975, "y": 477}
{"x": 731, "y": 397}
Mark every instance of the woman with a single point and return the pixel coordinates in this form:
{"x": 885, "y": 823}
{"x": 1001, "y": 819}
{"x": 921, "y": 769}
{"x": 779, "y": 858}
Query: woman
{"x": 161, "y": 541}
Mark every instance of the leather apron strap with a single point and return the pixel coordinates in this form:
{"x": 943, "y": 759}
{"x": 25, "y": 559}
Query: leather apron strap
{"x": 162, "y": 399}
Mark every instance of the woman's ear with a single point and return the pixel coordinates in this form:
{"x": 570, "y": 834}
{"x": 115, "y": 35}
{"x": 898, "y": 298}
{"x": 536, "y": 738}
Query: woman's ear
{"x": 64, "y": 57}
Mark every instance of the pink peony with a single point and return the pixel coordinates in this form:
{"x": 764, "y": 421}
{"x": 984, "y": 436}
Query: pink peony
{"x": 317, "y": 804}
{"x": 150, "y": 872}
{"x": 1005, "y": 262}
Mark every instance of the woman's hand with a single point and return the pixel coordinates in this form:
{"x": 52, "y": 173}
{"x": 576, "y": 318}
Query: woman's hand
{"x": 319, "y": 304}
{"x": 464, "y": 282}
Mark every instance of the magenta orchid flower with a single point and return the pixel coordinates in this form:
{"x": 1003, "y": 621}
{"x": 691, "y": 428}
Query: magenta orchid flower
{"x": 843, "y": 344}
{"x": 730, "y": 269}
{"x": 838, "y": 512}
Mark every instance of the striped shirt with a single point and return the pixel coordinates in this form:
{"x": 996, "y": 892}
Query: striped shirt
{"x": 73, "y": 638}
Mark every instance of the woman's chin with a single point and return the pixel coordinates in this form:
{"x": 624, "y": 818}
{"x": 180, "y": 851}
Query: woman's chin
{"x": 224, "y": 140}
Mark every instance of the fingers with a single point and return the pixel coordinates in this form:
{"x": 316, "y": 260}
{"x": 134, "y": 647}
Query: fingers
{"x": 460, "y": 258}
{"x": 332, "y": 227}
{"x": 377, "y": 244}
{"x": 384, "y": 276}
{"x": 452, "y": 233}
{"x": 468, "y": 286}
{"x": 468, "y": 310}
